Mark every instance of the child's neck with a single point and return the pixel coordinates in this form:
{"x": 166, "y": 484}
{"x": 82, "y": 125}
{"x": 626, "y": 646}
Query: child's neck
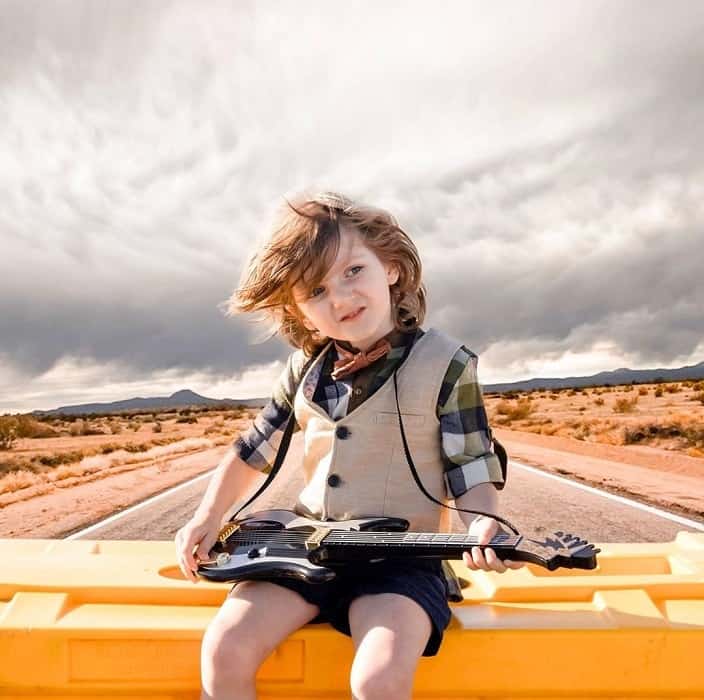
{"x": 363, "y": 346}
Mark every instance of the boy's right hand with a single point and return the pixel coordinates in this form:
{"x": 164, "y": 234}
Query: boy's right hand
{"x": 193, "y": 543}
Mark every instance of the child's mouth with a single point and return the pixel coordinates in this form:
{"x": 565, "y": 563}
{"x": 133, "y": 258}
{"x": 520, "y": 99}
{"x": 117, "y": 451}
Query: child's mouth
{"x": 354, "y": 315}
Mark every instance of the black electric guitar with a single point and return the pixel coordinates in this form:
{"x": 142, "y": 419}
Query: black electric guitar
{"x": 282, "y": 544}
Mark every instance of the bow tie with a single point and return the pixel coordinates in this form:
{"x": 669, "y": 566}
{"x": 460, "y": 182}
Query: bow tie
{"x": 350, "y": 362}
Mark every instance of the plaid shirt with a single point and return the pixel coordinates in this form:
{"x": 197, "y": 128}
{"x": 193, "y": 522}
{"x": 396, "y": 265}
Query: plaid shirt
{"x": 465, "y": 432}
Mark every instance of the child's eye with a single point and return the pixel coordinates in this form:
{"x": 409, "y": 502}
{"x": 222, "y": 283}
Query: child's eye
{"x": 317, "y": 291}
{"x": 355, "y": 269}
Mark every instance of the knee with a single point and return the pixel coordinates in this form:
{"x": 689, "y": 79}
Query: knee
{"x": 228, "y": 657}
{"x": 383, "y": 683}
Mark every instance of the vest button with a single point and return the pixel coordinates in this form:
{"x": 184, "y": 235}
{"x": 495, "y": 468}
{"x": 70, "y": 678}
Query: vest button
{"x": 334, "y": 480}
{"x": 342, "y": 431}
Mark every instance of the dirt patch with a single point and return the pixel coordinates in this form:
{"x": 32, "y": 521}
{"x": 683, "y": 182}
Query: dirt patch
{"x": 66, "y": 508}
{"x": 651, "y": 475}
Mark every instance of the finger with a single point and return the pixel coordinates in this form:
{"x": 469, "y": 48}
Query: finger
{"x": 467, "y": 559}
{"x": 478, "y": 558}
{"x": 187, "y": 573}
{"x": 188, "y": 565}
{"x": 189, "y": 552}
{"x": 493, "y": 561}
{"x": 514, "y": 564}
{"x": 202, "y": 553}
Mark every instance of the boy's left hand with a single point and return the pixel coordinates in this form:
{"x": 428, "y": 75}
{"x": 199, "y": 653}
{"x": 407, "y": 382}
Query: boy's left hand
{"x": 484, "y": 529}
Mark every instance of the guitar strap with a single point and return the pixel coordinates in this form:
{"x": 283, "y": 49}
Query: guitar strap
{"x": 500, "y": 453}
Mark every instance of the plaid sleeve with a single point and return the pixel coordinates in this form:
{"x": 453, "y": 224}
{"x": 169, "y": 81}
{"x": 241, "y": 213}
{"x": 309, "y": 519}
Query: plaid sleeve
{"x": 258, "y": 445}
{"x": 464, "y": 427}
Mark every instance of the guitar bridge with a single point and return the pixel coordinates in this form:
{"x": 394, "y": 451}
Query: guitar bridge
{"x": 316, "y": 539}
{"x": 226, "y": 531}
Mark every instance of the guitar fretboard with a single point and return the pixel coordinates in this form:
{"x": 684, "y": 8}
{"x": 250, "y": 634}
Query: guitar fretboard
{"x": 411, "y": 539}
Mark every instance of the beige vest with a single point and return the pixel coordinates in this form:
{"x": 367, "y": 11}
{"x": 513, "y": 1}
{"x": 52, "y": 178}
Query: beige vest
{"x": 356, "y": 467}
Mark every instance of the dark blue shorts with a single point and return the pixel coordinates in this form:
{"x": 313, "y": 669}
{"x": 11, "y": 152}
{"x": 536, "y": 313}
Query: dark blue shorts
{"x": 420, "y": 580}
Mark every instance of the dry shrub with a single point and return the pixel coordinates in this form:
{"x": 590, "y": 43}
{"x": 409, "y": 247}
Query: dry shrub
{"x": 503, "y": 407}
{"x": 156, "y": 428}
{"x": 554, "y": 397}
{"x": 658, "y": 392}
{"x": 61, "y": 458}
{"x": 518, "y": 411}
{"x": 8, "y": 432}
{"x": 16, "y": 480}
{"x": 687, "y": 429}
{"x": 672, "y": 388}
{"x": 186, "y": 419}
{"x": 30, "y": 427}
{"x": 599, "y": 401}
{"x": 625, "y": 405}
{"x": 699, "y": 397}
{"x": 582, "y": 432}
{"x": 82, "y": 427}
{"x": 642, "y": 391}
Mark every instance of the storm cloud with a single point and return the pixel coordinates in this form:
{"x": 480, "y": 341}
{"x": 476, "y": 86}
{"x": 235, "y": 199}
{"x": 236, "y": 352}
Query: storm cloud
{"x": 545, "y": 159}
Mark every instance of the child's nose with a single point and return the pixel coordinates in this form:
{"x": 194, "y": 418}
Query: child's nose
{"x": 337, "y": 296}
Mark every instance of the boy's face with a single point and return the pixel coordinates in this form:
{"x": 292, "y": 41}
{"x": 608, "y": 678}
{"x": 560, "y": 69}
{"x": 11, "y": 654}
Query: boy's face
{"x": 353, "y": 301}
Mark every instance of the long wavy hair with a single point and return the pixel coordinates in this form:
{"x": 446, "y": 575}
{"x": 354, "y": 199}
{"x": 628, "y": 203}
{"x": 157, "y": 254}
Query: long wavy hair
{"x": 302, "y": 248}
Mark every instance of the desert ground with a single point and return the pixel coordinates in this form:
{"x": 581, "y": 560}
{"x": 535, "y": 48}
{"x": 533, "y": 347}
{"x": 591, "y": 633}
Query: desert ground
{"x": 645, "y": 441}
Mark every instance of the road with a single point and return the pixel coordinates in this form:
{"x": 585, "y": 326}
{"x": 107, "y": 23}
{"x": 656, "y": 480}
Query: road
{"x": 532, "y": 500}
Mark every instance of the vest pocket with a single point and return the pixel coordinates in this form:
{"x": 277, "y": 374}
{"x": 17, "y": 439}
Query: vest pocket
{"x": 409, "y": 419}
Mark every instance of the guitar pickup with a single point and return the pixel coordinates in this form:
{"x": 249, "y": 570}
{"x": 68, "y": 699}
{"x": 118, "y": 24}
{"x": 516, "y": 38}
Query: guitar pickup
{"x": 316, "y": 538}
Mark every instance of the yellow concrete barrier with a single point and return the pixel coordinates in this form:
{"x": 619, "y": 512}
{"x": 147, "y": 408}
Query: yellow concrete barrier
{"x": 114, "y": 619}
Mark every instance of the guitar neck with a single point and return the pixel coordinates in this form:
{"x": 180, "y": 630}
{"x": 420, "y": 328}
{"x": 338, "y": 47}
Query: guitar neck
{"x": 349, "y": 545}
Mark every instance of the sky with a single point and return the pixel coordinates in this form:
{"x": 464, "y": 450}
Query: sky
{"x": 546, "y": 158}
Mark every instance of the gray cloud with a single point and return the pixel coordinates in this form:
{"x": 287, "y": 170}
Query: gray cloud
{"x": 546, "y": 162}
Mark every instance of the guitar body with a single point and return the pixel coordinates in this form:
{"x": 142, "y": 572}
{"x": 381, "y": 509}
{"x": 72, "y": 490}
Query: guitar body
{"x": 270, "y": 544}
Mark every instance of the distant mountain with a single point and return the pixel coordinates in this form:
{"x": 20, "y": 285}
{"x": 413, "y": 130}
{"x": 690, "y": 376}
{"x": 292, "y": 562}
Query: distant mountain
{"x": 181, "y": 399}
{"x": 613, "y": 377}
{"x": 186, "y": 398}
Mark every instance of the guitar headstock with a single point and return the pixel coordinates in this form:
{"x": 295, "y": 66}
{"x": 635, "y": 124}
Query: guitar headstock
{"x": 558, "y": 550}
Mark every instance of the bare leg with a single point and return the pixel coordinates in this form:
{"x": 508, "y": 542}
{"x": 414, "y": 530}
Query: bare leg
{"x": 390, "y": 632}
{"x": 254, "y": 619}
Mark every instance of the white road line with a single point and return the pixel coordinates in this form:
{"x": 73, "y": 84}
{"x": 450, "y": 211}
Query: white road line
{"x": 619, "y": 499}
{"x": 131, "y": 509}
